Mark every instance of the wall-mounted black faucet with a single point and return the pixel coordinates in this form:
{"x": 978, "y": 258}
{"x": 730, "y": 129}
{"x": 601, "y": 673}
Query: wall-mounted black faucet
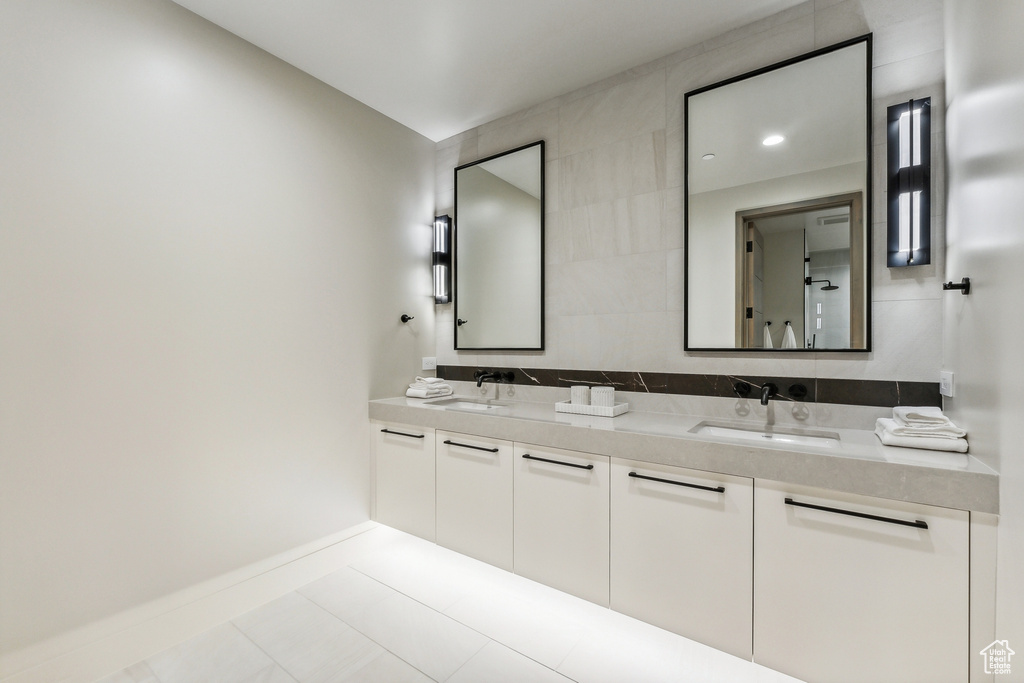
{"x": 767, "y": 391}
{"x": 483, "y": 375}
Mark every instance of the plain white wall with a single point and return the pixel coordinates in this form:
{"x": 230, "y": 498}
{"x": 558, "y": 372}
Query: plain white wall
{"x": 983, "y": 331}
{"x": 204, "y": 254}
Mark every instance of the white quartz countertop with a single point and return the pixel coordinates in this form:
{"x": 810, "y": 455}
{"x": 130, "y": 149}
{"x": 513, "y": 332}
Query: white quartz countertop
{"x": 858, "y": 463}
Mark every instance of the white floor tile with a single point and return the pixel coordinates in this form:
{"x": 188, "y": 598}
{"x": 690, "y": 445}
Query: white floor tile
{"x": 387, "y": 668}
{"x": 430, "y": 641}
{"x": 221, "y": 654}
{"x": 498, "y": 664}
{"x": 139, "y": 673}
{"x": 273, "y": 674}
{"x": 308, "y": 642}
{"x": 347, "y": 593}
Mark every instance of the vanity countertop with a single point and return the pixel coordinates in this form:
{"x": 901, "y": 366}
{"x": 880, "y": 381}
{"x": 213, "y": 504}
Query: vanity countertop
{"x": 858, "y": 464}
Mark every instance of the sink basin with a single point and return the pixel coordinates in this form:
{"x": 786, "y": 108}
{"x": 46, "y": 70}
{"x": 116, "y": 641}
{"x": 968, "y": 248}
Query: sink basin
{"x": 461, "y": 403}
{"x": 778, "y": 435}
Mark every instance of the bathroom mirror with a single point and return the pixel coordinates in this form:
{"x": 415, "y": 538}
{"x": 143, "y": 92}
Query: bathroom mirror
{"x": 499, "y": 251}
{"x": 778, "y": 200}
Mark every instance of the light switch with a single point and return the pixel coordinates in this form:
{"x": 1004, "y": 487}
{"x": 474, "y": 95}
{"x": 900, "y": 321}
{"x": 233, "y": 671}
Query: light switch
{"x": 946, "y": 383}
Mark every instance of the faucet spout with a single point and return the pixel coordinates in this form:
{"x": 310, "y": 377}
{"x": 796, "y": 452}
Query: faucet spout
{"x": 767, "y": 391}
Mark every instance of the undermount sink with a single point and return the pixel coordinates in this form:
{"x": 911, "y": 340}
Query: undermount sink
{"x": 463, "y": 403}
{"x": 760, "y": 434}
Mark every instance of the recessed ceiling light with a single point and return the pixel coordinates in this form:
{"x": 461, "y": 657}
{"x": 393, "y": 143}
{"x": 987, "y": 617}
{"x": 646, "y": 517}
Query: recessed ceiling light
{"x": 772, "y": 140}
{"x": 708, "y": 157}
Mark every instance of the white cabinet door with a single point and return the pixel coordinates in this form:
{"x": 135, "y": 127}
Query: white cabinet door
{"x": 474, "y": 497}
{"x": 877, "y": 595}
{"x": 561, "y": 520}
{"x": 682, "y": 551}
{"x": 404, "y": 461}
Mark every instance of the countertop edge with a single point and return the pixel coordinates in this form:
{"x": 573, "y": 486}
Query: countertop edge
{"x": 976, "y": 491}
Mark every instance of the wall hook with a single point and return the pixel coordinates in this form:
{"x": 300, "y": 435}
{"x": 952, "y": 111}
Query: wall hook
{"x": 964, "y": 286}
{"x": 407, "y": 318}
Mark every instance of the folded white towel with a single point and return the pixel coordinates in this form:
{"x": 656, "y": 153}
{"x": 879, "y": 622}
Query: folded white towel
{"x": 938, "y": 431}
{"x": 412, "y": 392}
{"x": 429, "y": 380}
{"x": 927, "y": 442}
{"x": 920, "y": 415}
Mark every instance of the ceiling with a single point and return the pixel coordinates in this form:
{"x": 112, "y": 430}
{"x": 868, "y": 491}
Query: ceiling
{"x": 442, "y": 67}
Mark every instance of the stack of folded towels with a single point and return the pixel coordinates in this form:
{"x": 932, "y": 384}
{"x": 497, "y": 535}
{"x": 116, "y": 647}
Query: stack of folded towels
{"x": 921, "y": 427}
{"x": 428, "y": 387}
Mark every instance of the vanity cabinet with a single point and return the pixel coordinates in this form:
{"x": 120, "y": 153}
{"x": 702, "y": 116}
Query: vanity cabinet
{"x": 404, "y": 477}
{"x": 561, "y": 520}
{"x": 682, "y": 551}
{"x": 851, "y": 588}
{"x": 474, "y": 496}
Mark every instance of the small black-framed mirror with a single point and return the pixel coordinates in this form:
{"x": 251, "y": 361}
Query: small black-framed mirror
{"x": 778, "y": 206}
{"x": 499, "y": 251}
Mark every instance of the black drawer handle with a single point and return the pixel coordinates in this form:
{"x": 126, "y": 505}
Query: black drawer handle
{"x": 917, "y": 524}
{"x": 466, "y": 445}
{"x": 411, "y": 436}
{"x": 716, "y": 489}
{"x": 558, "y": 462}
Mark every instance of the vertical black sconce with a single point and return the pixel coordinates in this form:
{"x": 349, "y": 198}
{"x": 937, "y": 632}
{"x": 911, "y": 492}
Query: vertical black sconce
{"x": 441, "y": 259}
{"x": 909, "y": 183}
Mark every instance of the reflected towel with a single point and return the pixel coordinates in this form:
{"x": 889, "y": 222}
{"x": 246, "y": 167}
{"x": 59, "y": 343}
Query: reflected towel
{"x": 789, "y": 341}
{"x": 927, "y": 442}
{"x": 767, "y": 337}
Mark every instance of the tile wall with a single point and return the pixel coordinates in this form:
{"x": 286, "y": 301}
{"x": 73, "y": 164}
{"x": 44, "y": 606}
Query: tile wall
{"x": 614, "y": 223}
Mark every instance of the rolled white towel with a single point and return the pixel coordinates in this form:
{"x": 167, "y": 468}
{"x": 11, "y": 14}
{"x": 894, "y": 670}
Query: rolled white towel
{"x": 413, "y": 392}
{"x": 920, "y": 415}
{"x": 931, "y": 443}
{"x": 938, "y": 431}
{"x": 767, "y": 341}
{"x": 789, "y": 340}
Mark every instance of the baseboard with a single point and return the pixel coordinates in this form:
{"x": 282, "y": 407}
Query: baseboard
{"x": 118, "y": 641}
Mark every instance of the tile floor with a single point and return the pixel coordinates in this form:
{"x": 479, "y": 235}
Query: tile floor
{"x": 408, "y": 610}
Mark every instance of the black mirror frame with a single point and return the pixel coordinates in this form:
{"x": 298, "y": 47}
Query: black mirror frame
{"x": 868, "y": 203}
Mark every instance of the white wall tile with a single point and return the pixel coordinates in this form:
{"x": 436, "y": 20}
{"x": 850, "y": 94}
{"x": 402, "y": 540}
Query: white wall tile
{"x": 615, "y": 196}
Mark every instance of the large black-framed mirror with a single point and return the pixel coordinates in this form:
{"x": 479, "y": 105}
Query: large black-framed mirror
{"x": 499, "y": 251}
{"x": 778, "y": 206}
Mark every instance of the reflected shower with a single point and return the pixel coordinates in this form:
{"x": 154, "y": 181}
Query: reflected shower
{"x": 827, "y": 288}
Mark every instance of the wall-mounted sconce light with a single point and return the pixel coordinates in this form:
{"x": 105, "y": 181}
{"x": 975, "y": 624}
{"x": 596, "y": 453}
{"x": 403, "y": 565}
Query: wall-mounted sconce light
{"x": 441, "y": 259}
{"x": 909, "y": 186}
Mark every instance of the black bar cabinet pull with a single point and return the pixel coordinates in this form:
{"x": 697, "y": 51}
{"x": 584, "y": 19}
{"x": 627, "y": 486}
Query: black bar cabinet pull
{"x": 466, "y": 445}
{"x": 559, "y": 462}
{"x": 918, "y": 523}
{"x": 716, "y": 489}
{"x": 411, "y": 436}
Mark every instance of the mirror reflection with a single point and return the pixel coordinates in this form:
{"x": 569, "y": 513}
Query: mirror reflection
{"x": 499, "y": 251}
{"x": 777, "y": 181}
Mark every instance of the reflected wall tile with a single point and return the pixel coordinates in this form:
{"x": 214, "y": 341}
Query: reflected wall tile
{"x": 624, "y": 111}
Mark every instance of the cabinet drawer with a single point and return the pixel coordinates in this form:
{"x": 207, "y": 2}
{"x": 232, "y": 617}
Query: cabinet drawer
{"x": 852, "y": 588}
{"x": 474, "y": 496}
{"x": 404, "y": 477}
{"x": 561, "y": 520}
{"x": 682, "y": 551}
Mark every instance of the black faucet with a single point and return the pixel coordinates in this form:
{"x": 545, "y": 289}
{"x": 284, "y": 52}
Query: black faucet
{"x": 767, "y": 391}
{"x": 482, "y": 375}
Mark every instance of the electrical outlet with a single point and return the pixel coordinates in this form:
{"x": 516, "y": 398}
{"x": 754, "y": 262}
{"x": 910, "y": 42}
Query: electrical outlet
{"x": 429, "y": 363}
{"x": 946, "y": 383}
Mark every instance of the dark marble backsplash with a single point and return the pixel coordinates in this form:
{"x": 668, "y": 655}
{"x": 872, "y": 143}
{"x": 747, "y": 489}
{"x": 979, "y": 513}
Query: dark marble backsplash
{"x": 860, "y": 392}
